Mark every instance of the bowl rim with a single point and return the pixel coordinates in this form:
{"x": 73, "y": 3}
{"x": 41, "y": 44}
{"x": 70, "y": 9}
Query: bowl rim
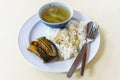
{"x": 57, "y": 2}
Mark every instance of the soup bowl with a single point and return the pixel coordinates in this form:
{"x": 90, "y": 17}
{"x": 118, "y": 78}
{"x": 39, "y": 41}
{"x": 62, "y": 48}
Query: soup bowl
{"x": 58, "y": 24}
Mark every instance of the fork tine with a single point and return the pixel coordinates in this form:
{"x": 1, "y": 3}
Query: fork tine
{"x": 96, "y": 31}
{"x": 90, "y": 32}
{"x": 89, "y": 27}
{"x": 91, "y": 35}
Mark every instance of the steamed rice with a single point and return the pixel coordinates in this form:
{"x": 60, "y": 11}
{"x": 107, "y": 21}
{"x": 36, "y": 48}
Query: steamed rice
{"x": 68, "y": 40}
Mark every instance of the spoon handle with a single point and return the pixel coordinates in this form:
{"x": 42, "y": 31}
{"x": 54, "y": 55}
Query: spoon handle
{"x": 77, "y": 60}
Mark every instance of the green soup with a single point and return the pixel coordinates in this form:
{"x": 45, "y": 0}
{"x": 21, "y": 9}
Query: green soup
{"x": 55, "y": 14}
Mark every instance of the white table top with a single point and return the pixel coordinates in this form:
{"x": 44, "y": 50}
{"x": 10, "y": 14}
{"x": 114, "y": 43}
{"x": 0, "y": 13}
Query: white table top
{"x": 105, "y": 65}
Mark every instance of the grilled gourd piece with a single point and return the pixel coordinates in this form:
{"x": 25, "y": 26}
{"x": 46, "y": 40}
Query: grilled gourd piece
{"x": 44, "y": 48}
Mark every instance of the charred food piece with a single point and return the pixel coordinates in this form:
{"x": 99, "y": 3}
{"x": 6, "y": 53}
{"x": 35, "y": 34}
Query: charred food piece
{"x": 44, "y": 48}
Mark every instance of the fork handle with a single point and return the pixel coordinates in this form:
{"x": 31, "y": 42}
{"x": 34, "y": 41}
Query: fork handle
{"x": 85, "y": 57}
{"x": 77, "y": 60}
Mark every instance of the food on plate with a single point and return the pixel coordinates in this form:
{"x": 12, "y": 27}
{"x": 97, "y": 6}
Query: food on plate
{"x": 62, "y": 43}
{"x": 68, "y": 40}
{"x": 55, "y": 14}
{"x": 44, "y": 48}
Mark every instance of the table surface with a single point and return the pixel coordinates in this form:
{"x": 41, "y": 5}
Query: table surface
{"x": 104, "y": 66}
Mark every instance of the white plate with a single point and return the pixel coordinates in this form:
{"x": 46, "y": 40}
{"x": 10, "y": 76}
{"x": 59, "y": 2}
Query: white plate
{"x": 33, "y": 28}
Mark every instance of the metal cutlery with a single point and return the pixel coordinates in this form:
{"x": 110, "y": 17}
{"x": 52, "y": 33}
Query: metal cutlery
{"x": 92, "y": 31}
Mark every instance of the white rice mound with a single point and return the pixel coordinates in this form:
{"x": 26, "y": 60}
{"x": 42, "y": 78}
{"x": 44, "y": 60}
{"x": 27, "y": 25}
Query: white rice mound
{"x": 68, "y": 40}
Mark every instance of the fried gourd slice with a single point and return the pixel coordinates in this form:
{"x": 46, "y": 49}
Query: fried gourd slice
{"x": 32, "y": 48}
{"x": 44, "y": 48}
